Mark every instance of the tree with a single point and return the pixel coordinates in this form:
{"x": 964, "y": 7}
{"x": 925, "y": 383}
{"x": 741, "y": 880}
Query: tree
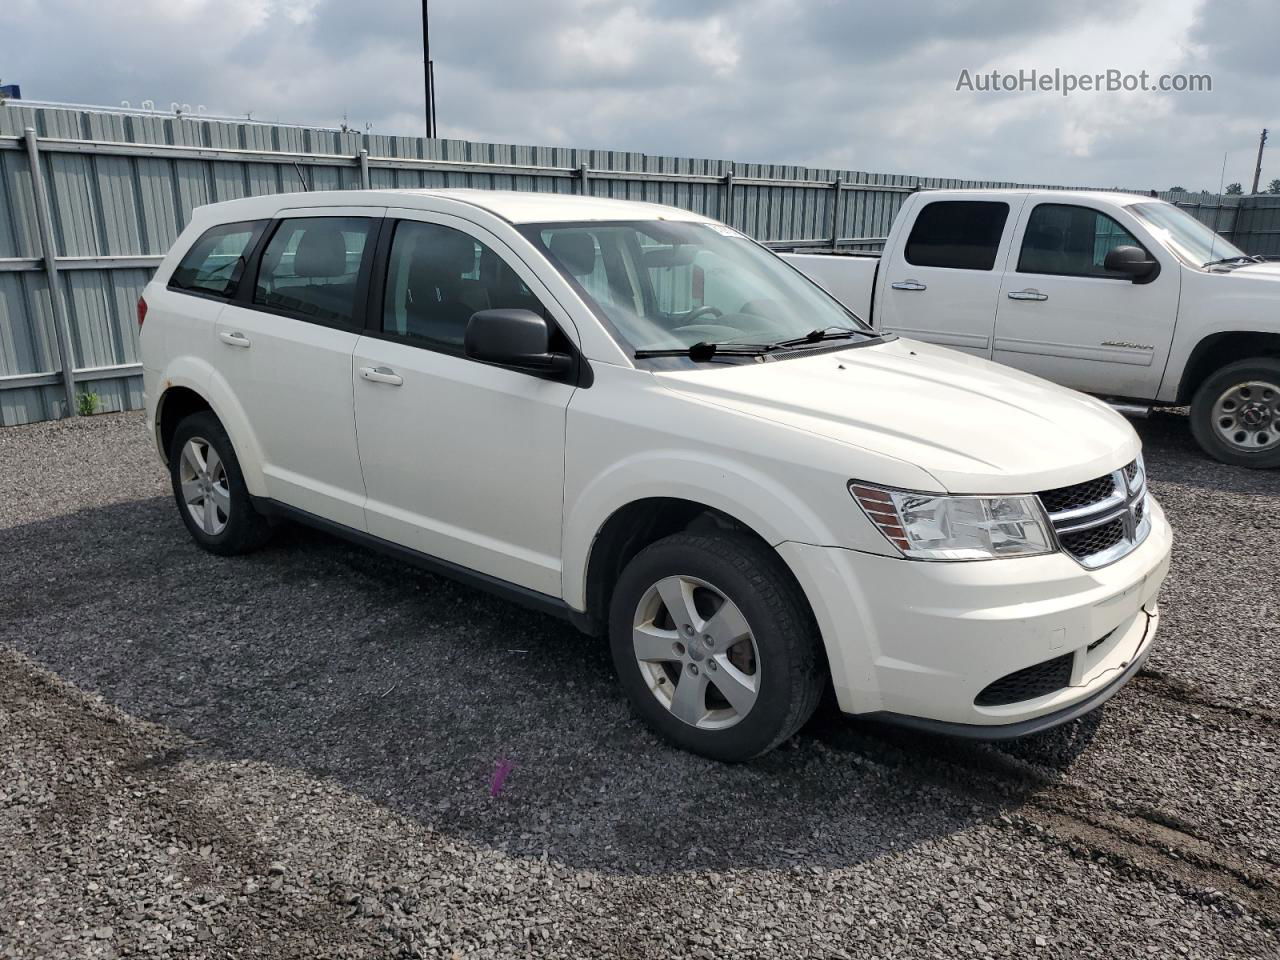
{"x": 1273, "y": 186}
{"x": 1234, "y": 189}
{"x": 1177, "y": 190}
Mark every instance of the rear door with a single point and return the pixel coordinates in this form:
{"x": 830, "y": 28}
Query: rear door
{"x": 1065, "y": 317}
{"x": 940, "y": 281}
{"x": 284, "y": 347}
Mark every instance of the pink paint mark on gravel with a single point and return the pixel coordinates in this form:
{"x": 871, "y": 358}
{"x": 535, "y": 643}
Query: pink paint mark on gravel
{"x": 500, "y": 774}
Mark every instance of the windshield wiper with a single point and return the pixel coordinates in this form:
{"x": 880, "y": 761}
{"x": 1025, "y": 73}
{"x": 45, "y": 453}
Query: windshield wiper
{"x": 702, "y": 350}
{"x": 1239, "y": 261}
{"x": 826, "y": 333}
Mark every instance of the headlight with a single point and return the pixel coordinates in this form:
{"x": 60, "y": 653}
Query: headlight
{"x": 927, "y": 526}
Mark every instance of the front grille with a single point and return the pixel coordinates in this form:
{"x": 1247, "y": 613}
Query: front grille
{"x": 1028, "y": 683}
{"x": 1085, "y": 543}
{"x": 1099, "y": 521}
{"x": 1079, "y": 494}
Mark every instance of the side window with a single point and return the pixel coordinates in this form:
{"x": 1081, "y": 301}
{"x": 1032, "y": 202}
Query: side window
{"x": 215, "y": 261}
{"x": 1073, "y": 241}
{"x": 437, "y": 277}
{"x": 961, "y": 234}
{"x": 311, "y": 267}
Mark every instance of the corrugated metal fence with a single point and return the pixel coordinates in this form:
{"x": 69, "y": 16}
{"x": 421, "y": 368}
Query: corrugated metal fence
{"x": 112, "y": 190}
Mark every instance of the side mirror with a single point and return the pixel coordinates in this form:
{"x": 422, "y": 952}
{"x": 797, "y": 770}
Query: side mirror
{"x": 1132, "y": 260}
{"x": 520, "y": 339}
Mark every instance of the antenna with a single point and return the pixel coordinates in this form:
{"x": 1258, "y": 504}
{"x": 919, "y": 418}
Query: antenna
{"x": 1222, "y": 179}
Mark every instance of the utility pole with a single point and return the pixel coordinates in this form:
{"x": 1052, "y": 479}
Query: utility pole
{"x": 428, "y": 74}
{"x": 1257, "y": 171}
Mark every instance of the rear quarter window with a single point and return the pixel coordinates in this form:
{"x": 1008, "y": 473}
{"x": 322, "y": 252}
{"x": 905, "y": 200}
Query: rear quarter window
{"x": 216, "y": 260}
{"x": 960, "y": 234}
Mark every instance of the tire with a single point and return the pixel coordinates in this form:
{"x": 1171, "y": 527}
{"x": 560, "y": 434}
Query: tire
{"x": 1235, "y": 415}
{"x": 775, "y": 671}
{"x": 236, "y": 526}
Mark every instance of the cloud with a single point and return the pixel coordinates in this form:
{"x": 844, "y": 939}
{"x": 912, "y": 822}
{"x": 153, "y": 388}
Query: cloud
{"x": 827, "y": 84}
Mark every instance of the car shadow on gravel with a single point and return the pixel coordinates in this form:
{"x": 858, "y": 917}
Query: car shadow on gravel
{"x": 411, "y": 690}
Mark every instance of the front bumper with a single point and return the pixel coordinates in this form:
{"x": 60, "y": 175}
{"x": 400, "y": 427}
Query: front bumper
{"x": 918, "y": 641}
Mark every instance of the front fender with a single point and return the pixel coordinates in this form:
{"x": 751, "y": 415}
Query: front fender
{"x": 752, "y": 497}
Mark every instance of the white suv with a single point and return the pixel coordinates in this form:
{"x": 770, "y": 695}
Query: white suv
{"x": 637, "y": 418}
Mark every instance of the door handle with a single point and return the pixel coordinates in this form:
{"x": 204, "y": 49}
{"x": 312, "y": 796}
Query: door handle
{"x": 908, "y": 285}
{"x": 1028, "y": 294}
{"x": 233, "y": 339}
{"x": 382, "y": 375}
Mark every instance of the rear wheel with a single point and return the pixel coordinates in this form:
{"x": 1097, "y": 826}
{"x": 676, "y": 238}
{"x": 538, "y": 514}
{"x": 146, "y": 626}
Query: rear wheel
{"x": 1235, "y": 415}
{"x": 715, "y": 645}
{"x": 209, "y": 488}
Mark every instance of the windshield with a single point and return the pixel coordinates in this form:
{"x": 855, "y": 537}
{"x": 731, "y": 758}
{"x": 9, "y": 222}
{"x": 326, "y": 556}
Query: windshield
{"x": 663, "y": 284}
{"x": 1189, "y": 239}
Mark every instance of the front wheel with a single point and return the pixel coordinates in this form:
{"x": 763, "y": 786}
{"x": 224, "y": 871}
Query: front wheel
{"x": 1235, "y": 415}
{"x": 715, "y": 645}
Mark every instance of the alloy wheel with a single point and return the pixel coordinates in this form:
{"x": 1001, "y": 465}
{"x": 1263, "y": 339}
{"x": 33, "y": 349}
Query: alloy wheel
{"x": 696, "y": 652}
{"x": 205, "y": 490}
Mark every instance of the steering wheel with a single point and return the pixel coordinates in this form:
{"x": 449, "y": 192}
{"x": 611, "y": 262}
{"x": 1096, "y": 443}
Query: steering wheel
{"x": 697, "y": 312}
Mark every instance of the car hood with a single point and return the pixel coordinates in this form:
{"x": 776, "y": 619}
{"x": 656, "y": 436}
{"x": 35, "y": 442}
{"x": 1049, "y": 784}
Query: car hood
{"x": 975, "y": 426}
{"x": 1257, "y": 271}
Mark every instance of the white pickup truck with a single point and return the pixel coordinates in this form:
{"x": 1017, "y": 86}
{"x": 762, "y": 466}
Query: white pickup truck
{"x": 1122, "y": 296}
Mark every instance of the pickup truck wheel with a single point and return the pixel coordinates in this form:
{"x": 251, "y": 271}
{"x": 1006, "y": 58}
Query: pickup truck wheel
{"x": 715, "y": 645}
{"x": 1235, "y": 415}
{"x": 210, "y": 491}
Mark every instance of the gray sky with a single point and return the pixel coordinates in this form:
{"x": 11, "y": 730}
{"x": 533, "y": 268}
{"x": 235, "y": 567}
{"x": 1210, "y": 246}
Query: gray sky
{"x": 865, "y": 86}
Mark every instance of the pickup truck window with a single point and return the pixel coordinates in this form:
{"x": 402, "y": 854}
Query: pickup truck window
{"x": 961, "y": 234}
{"x": 669, "y": 284}
{"x": 438, "y": 277}
{"x": 1191, "y": 241}
{"x": 213, "y": 264}
{"x": 1063, "y": 239}
{"x": 311, "y": 266}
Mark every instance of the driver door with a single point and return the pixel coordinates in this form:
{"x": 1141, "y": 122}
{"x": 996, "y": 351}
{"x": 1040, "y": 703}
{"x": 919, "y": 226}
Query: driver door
{"x": 462, "y": 460}
{"x": 1064, "y": 317}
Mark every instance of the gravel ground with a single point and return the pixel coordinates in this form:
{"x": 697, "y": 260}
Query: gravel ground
{"x": 290, "y": 755}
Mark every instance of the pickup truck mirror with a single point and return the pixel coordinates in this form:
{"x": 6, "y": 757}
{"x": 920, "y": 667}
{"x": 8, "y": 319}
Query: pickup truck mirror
{"x": 1134, "y": 261}
{"x": 520, "y": 339}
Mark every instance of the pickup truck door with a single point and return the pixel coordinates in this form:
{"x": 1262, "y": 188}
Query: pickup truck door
{"x": 1063, "y": 317}
{"x": 940, "y": 278}
{"x": 462, "y": 460}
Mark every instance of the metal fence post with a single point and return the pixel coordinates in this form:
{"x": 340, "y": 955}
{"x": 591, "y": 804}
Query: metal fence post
{"x": 61, "y": 323}
{"x": 363, "y": 158}
{"x": 837, "y": 192}
{"x": 726, "y": 214}
{"x": 584, "y": 180}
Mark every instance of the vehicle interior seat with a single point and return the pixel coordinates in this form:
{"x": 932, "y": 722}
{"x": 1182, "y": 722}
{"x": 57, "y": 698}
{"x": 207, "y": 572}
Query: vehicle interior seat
{"x": 322, "y": 282}
{"x": 1044, "y": 249}
{"x": 440, "y": 299}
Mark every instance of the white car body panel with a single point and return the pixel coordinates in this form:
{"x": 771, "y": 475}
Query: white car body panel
{"x": 513, "y": 476}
